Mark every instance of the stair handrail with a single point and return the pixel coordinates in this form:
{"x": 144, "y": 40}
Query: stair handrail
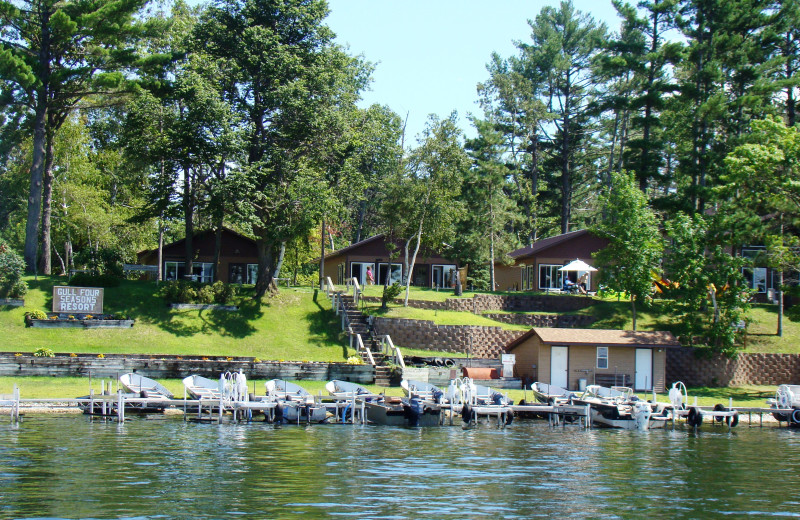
{"x": 328, "y": 286}
{"x": 353, "y": 282}
{"x": 345, "y": 317}
{"x": 360, "y": 345}
{"x": 388, "y": 346}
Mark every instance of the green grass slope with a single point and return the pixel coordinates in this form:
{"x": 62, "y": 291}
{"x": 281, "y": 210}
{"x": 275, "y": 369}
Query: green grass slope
{"x": 295, "y": 325}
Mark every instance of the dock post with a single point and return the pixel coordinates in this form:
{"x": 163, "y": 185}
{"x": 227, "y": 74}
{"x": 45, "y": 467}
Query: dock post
{"x": 120, "y": 407}
{"x": 91, "y": 401}
{"x": 15, "y": 406}
{"x": 588, "y": 417}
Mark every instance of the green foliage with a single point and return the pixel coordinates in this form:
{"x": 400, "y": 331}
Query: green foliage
{"x": 183, "y": 291}
{"x": 390, "y": 292}
{"x": 94, "y": 280}
{"x": 35, "y": 314}
{"x": 12, "y": 268}
{"x": 355, "y": 360}
{"x": 44, "y": 352}
{"x": 635, "y": 247}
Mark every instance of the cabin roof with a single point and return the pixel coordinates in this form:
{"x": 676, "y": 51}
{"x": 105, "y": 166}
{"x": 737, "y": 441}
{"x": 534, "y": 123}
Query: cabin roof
{"x": 618, "y": 338}
{"x": 546, "y": 243}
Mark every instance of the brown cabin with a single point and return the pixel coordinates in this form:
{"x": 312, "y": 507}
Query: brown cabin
{"x": 371, "y": 256}
{"x": 563, "y": 357}
{"x": 238, "y": 259}
{"x": 536, "y": 268}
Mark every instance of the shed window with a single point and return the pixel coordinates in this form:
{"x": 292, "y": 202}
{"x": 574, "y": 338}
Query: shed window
{"x": 602, "y": 357}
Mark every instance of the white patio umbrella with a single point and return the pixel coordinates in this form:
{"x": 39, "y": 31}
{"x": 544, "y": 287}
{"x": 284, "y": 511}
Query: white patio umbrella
{"x": 577, "y": 265}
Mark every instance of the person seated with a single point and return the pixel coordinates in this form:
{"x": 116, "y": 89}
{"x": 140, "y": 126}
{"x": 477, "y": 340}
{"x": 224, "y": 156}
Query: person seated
{"x": 569, "y": 286}
{"x": 582, "y": 283}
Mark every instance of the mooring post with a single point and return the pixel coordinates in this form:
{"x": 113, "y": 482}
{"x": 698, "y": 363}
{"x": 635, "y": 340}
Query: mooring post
{"x": 120, "y": 407}
{"x": 15, "y": 406}
{"x": 588, "y": 416}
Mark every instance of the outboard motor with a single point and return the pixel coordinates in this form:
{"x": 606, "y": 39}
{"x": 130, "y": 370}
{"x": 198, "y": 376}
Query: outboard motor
{"x": 641, "y": 415}
{"x": 414, "y": 411}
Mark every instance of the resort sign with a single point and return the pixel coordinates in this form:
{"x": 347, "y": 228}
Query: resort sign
{"x": 85, "y": 300}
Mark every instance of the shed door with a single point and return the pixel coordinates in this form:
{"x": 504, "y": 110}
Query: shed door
{"x": 644, "y": 369}
{"x": 559, "y": 358}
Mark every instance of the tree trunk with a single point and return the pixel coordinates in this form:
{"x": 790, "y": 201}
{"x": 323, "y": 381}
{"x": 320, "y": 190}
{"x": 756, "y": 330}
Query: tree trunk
{"x": 160, "y": 251}
{"x": 633, "y": 310}
{"x": 411, "y": 266}
{"x": 279, "y": 264}
{"x": 493, "y": 285}
{"x": 36, "y": 174}
{"x": 266, "y": 257}
{"x": 46, "y": 262}
{"x": 217, "y": 248}
{"x": 322, "y": 256}
{"x": 780, "y": 304}
{"x": 188, "y": 221}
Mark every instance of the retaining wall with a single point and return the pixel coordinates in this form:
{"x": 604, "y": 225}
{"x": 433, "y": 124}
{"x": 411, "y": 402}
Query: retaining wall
{"x": 477, "y": 341}
{"x": 747, "y": 369}
{"x": 544, "y": 320}
{"x": 502, "y": 302}
{"x": 175, "y": 367}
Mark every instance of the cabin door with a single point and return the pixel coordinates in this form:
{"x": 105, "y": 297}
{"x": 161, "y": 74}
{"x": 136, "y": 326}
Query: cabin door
{"x": 644, "y": 369}
{"x": 559, "y": 361}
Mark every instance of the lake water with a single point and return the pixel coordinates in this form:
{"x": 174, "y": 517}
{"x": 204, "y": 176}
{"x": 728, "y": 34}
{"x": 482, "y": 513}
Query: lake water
{"x": 71, "y": 467}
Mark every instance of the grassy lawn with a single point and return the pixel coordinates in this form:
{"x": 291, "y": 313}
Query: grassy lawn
{"x": 295, "y": 325}
{"x": 34, "y": 387}
{"x": 396, "y": 310}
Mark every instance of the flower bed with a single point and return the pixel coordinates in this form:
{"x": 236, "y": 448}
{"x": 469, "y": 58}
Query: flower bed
{"x": 57, "y": 320}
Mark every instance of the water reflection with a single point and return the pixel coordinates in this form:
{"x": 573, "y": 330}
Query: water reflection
{"x": 68, "y": 467}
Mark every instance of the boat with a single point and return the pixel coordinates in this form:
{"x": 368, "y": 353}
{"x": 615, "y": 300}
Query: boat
{"x": 787, "y": 399}
{"x": 144, "y": 386}
{"x": 618, "y": 407}
{"x": 422, "y": 389}
{"x": 397, "y": 411}
{"x": 466, "y": 391}
{"x": 348, "y": 390}
{"x": 551, "y": 394}
{"x": 142, "y": 396}
{"x": 201, "y": 388}
{"x": 295, "y": 403}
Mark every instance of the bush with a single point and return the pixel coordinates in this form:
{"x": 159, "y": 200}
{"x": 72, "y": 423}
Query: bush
{"x": 390, "y": 293}
{"x": 182, "y": 291}
{"x": 12, "y": 266}
{"x": 205, "y": 294}
{"x": 92, "y": 280}
{"x": 35, "y": 314}
{"x": 44, "y": 352}
{"x": 223, "y": 292}
{"x": 355, "y": 360}
{"x": 105, "y": 261}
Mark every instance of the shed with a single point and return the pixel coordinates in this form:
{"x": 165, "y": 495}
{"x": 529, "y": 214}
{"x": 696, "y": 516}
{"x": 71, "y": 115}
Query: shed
{"x": 562, "y": 357}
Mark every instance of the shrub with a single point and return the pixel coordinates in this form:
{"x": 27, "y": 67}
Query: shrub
{"x": 35, "y": 314}
{"x": 223, "y": 292}
{"x": 12, "y": 266}
{"x": 179, "y": 291}
{"x": 205, "y": 294}
{"x": 44, "y": 352}
{"x": 93, "y": 280}
{"x": 355, "y": 360}
{"x": 390, "y": 293}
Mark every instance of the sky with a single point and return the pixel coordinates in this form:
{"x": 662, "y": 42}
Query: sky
{"x": 431, "y": 54}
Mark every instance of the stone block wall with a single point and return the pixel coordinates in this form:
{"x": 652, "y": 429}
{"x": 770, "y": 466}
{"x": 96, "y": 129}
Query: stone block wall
{"x": 544, "y": 320}
{"x": 477, "y": 341}
{"x": 747, "y": 369}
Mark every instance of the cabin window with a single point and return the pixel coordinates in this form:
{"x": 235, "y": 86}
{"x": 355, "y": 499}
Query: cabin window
{"x": 549, "y": 276}
{"x": 252, "y": 273}
{"x": 444, "y": 275}
{"x": 602, "y": 357}
{"x": 756, "y": 278}
{"x": 201, "y": 271}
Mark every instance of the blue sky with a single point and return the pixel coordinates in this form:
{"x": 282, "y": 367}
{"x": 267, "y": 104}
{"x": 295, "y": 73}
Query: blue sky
{"x": 431, "y": 54}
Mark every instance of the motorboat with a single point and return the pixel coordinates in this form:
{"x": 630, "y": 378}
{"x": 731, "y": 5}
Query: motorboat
{"x": 422, "y": 389}
{"x": 144, "y": 386}
{"x": 347, "y": 390}
{"x": 396, "y": 411}
{"x": 466, "y": 390}
{"x": 787, "y": 399}
{"x": 295, "y": 403}
{"x": 551, "y": 394}
{"x": 618, "y": 407}
{"x": 142, "y": 396}
{"x": 202, "y": 388}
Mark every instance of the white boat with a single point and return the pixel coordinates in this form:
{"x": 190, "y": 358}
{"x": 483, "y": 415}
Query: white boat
{"x": 199, "y": 387}
{"x": 295, "y": 403}
{"x": 422, "y": 389}
{"x": 465, "y": 390}
{"x": 395, "y": 411}
{"x": 551, "y": 394}
{"x": 144, "y": 386}
{"x": 618, "y": 407}
{"x": 348, "y": 390}
{"x": 787, "y": 399}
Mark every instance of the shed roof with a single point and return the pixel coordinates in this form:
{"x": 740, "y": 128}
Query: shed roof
{"x": 618, "y": 338}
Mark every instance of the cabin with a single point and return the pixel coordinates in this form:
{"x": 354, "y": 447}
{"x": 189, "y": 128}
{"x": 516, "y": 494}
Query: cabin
{"x": 573, "y": 358}
{"x": 431, "y": 269}
{"x": 536, "y": 268}
{"x": 238, "y": 258}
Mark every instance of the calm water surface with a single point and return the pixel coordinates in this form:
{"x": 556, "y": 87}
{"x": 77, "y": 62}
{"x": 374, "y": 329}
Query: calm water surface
{"x": 69, "y": 467}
